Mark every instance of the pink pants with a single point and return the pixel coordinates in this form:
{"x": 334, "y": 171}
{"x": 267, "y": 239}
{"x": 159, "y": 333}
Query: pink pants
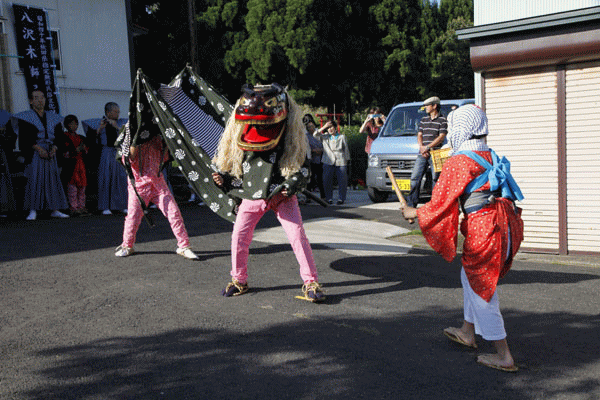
{"x": 288, "y": 214}
{"x": 153, "y": 190}
{"x": 76, "y": 197}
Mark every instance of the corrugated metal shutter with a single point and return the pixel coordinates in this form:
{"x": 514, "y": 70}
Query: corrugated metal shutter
{"x": 583, "y": 157}
{"x": 521, "y": 109}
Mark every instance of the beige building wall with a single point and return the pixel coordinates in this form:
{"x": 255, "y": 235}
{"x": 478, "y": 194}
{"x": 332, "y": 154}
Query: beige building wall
{"x": 583, "y": 156}
{"x": 521, "y": 109}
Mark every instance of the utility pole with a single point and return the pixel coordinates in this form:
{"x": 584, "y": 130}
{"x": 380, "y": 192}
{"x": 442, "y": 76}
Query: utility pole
{"x": 193, "y": 44}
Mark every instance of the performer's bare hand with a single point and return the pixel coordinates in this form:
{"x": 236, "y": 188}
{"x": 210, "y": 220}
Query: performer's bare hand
{"x": 284, "y": 192}
{"x": 218, "y": 179}
{"x": 409, "y": 213}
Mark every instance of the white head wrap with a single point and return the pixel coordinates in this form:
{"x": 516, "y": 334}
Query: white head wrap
{"x": 467, "y": 129}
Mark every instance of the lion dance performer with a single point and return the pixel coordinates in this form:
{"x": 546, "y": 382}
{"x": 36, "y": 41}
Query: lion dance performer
{"x": 476, "y": 181}
{"x": 262, "y": 159}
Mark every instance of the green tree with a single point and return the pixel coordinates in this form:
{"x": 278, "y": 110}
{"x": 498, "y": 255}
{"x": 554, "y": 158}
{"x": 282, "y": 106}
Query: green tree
{"x": 404, "y": 65}
{"x": 164, "y": 50}
{"x": 313, "y": 46}
{"x": 451, "y": 72}
{"x": 332, "y": 53}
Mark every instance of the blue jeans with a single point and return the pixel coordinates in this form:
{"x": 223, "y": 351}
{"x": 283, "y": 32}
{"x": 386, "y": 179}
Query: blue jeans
{"x": 418, "y": 172}
{"x": 342, "y": 178}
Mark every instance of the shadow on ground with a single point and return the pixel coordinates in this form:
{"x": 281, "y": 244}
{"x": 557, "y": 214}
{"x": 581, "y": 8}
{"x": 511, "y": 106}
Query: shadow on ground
{"x": 395, "y": 358}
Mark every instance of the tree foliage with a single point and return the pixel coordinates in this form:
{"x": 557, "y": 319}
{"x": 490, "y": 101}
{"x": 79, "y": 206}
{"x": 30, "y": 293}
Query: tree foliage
{"x": 334, "y": 53}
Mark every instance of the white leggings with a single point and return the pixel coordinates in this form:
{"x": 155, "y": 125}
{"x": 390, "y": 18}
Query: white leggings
{"x": 484, "y": 315}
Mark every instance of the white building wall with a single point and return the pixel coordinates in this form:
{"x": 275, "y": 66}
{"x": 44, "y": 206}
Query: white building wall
{"x": 95, "y": 55}
{"x": 495, "y": 11}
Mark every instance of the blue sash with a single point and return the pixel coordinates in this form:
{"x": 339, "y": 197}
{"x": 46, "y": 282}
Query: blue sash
{"x": 497, "y": 174}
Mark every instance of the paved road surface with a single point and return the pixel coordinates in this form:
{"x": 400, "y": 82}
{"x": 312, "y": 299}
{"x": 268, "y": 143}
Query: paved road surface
{"x": 78, "y": 323}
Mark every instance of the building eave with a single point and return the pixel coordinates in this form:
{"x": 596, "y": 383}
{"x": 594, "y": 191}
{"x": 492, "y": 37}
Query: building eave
{"x": 553, "y": 39}
{"x": 528, "y": 25}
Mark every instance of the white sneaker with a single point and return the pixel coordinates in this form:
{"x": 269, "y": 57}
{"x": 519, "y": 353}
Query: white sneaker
{"x": 58, "y": 214}
{"x": 106, "y": 212}
{"x": 124, "y": 251}
{"x": 187, "y": 253}
{"x": 32, "y": 215}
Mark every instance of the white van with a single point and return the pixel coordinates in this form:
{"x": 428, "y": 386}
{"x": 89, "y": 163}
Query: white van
{"x": 397, "y": 147}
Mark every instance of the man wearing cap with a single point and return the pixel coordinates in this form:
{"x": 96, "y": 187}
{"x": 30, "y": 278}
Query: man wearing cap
{"x": 432, "y": 132}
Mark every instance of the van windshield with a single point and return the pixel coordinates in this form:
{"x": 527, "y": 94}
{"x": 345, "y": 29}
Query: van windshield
{"x": 404, "y": 121}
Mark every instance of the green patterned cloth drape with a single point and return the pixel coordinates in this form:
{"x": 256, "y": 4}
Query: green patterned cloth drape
{"x": 190, "y": 116}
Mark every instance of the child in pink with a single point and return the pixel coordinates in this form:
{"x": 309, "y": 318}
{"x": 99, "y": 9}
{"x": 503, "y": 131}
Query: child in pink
{"x": 151, "y": 186}
{"x": 73, "y": 150}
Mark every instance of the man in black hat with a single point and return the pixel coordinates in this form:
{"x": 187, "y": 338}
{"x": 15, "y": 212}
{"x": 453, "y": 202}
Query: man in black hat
{"x": 432, "y": 132}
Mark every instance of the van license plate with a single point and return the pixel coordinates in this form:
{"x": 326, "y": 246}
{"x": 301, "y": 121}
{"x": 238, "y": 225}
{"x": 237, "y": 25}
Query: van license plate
{"x": 403, "y": 184}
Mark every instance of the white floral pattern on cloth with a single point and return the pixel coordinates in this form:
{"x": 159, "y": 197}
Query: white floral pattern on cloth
{"x": 179, "y": 154}
{"x": 193, "y": 176}
{"x": 237, "y": 182}
{"x": 170, "y": 133}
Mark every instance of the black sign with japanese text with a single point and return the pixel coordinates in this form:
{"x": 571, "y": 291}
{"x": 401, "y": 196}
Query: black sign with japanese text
{"x": 34, "y": 44}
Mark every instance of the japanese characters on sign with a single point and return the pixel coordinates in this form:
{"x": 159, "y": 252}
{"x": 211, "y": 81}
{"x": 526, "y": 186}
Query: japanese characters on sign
{"x": 34, "y": 44}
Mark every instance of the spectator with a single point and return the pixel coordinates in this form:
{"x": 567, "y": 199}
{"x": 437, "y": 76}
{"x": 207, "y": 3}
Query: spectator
{"x": 7, "y": 143}
{"x": 372, "y": 126}
{"x": 73, "y": 151}
{"x": 432, "y": 132}
{"x": 112, "y": 178}
{"x": 336, "y": 156}
{"x": 316, "y": 150}
{"x": 37, "y": 131}
{"x": 478, "y": 183}
{"x": 146, "y": 162}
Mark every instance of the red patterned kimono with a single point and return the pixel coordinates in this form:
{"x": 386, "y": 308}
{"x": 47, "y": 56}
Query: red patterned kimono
{"x": 76, "y": 164}
{"x": 486, "y": 231}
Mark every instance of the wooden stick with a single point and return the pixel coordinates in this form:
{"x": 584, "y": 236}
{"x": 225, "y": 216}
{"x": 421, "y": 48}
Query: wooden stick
{"x": 398, "y": 192}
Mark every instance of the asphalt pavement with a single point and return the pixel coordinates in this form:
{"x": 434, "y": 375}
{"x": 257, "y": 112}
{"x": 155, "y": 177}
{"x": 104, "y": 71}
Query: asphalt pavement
{"x": 76, "y": 322}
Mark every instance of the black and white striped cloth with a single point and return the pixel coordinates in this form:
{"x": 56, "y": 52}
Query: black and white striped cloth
{"x": 201, "y": 126}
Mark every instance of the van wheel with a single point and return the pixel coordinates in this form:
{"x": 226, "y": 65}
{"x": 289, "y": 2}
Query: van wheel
{"x": 377, "y": 196}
